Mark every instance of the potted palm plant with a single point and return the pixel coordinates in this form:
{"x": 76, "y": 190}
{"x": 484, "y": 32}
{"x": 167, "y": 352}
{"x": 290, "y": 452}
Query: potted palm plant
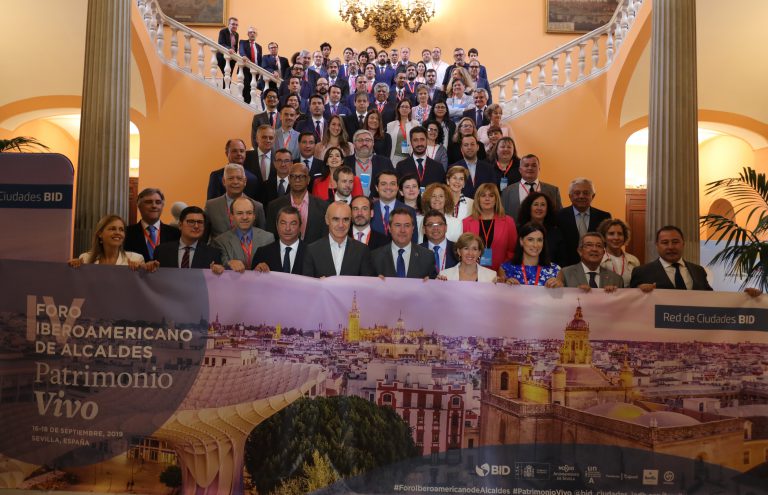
{"x": 745, "y": 253}
{"x": 20, "y": 144}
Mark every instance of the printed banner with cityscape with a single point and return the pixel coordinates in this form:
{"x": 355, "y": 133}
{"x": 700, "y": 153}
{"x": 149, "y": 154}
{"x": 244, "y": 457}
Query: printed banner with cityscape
{"x": 120, "y": 382}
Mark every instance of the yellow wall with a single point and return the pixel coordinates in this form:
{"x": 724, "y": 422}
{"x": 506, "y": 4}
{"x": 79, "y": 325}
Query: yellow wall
{"x": 506, "y": 33}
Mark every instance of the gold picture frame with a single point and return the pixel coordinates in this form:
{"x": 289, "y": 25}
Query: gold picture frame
{"x": 574, "y": 16}
{"x": 196, "y": 12}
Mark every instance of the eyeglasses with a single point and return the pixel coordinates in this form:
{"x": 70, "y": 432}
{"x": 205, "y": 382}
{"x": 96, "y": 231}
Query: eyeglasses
{"x": 194, "y": 222}
{"x": 298, "y": 177}
{"x": 436, "y": 224}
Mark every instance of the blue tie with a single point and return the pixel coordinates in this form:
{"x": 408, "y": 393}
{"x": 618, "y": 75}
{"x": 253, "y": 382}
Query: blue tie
{"x": 153, "y": 238}
{"x": 479, "y": 118}
{"x": 287, "y": 260}
{"x": 437, "y": 258}
{"x": 400, "y": 263}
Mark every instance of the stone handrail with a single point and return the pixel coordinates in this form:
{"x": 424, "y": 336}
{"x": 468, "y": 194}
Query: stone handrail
{"x": 605, "y": 43}
{"x": 162, "y": 27}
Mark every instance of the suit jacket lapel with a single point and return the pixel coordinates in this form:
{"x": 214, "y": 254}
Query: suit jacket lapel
{"x": 413, "y": 260}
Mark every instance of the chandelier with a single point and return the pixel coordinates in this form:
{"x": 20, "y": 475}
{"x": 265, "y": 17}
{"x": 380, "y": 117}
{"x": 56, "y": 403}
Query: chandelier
{"x": 386, "y": 16}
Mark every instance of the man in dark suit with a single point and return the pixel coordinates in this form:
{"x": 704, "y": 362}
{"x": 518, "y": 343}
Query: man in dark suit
{"x": 307, "y": 156}
{"x": 361, "y": 87}
{"x": 337, "y": 254}
{"x": 386, "y": 183}
{"x": 312, "y": 209}
{"x": 189, "y": 251}
{"x": 303, "y": 89}
{"x": 383, "y": 104}
{"x": 398, "y": 91}
{"x": 362, "y": 214}
{"x": 286, "y": 254}
{"x": 336, "y": 79}
{"x": 252, "y": 51}
{"x": 365, "y": 164}
{"x": 259, "y": 161}
{"x": 353, "y": 121}
{"x": 587, "y": 274}
{"x": 316, "y": 123}
{"x": 514, "y": 194}
{"x": 435, "y": 93}
{"x": 435, "y": 227}
{"x": 235, "y": 151}
{"x": 402, "y": 257}
{"x": 427, "y": 170}
{"x": 477, "y": 113}
{"x": 228, "y": 38}
{"x": 334, "y": 105}
{"x": 480, "y": 171}
{"x": 295, "y": 87}
{"x": 144, "y": 236}
{"x": 278, "y": 183}
{"x": 273, "y": 62}
{"x": 670, "y": 271}
{"x": 473, "y": 55}
{"x": 579, "y": 218}
{"x": 384, "y": 72}
{"x": 270, "y": 116}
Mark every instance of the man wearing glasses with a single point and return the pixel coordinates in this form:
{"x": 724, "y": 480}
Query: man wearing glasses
{"x": 311, "y": 209}
{"x": 435, "y": 227}
{"x": 365, "y": 164}
{"x": 188, "y": 251}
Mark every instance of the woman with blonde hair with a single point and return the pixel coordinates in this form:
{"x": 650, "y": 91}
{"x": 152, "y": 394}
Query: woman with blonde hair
{"x": 456, "y": 177}
{"x": 335, "y": 137}
{"x": 458, "y": 101}
{"x": 489, "y": 221}
{"x": 107, "y": 246}
{"x": 494, "y": 114}
{"x": 468, "y": 249}
{"x": 616, "y": 259}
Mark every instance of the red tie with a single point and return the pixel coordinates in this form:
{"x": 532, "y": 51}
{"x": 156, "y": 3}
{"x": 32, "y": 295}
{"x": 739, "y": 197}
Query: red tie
{"x": 253, "y": 53}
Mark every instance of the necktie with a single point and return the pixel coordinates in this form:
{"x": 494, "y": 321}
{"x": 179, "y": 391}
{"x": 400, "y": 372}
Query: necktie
{"x": 400, "y": 263}
{"x": 306, "y": 162}
{"x": 437, "y": 258}
{"x": 263, "y": 166}
{"x": 281, "y": 188}
{"x": 287, "y": 260}
{"x": 360, "y": 236}
{"x": 335, "y": 109}
{"x": 582, "y": 226}
{"x": 253, "y": 53}
{"x": 152, "y": 240}
{"x": 386, "y": 219}
{"x": 185, "y": 257}
{"x": 531, "y": 186}
{"x": 272, "y": 119}
{"x": 360, "y": 120}
{"x": 420, "y": 166}
{"x": 592, "y": 279}
{"x": 318, "y": 132}
{"x": 479, "y": 118}
{"x": 679, "y": 282}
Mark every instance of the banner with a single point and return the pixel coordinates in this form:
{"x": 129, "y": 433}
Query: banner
{"x": 116, "y": 381}
{"x": 36, "y": 206}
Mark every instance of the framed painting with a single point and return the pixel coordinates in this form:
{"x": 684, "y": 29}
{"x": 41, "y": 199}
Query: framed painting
{"x": 196, "y": 12}
{"x": 578, "y": 16}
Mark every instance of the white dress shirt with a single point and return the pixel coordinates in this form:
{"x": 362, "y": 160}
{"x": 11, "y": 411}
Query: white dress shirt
{"x": 292, "y": 255}
{"x": 406, "y": 255}
{"x": 337, "y": 252}
{"x": 683, "y": 271}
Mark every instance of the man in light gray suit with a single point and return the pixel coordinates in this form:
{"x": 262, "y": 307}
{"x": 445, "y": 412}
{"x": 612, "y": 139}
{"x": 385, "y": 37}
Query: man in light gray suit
{"x": 515, "y": 193}
{"x": 588, "y": 274}
{"x": 285, "y": 136}
{"x": 239, "y": 244}
{"x": 337, "y": 254}
{"x": 217, "y": 209}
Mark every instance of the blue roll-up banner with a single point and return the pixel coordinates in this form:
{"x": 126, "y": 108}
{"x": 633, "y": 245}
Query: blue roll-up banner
{"x": 116, "y": 381}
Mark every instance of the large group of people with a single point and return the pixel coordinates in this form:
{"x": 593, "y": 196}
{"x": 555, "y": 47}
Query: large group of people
{"x": 375, "y": 165}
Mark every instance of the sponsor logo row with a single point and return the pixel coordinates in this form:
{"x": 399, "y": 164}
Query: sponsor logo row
{"x": 541, "y": 471}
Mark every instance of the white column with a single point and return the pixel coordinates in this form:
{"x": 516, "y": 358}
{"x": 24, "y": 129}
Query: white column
{"x": 673, "y": 153}
{"x": 102, "y": 175}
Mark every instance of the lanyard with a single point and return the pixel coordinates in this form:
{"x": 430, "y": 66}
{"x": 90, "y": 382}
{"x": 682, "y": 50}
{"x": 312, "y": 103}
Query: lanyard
{"x": 364, "y": 168}
{"x": 487, "y": 234}
{"x": 423, "y": 171}
{"x": 525, "y": 277}
{"x": 287, "y": 140}
{"x": 623, "y": 264}
{"x": 247, "y": 248}
{"x": 410, "y": 86}
{"x": 149, "y": 240}
{"x": 402, "y": 131}
{"x": 434, "y": 151}
{"x": 511, "y": 162}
